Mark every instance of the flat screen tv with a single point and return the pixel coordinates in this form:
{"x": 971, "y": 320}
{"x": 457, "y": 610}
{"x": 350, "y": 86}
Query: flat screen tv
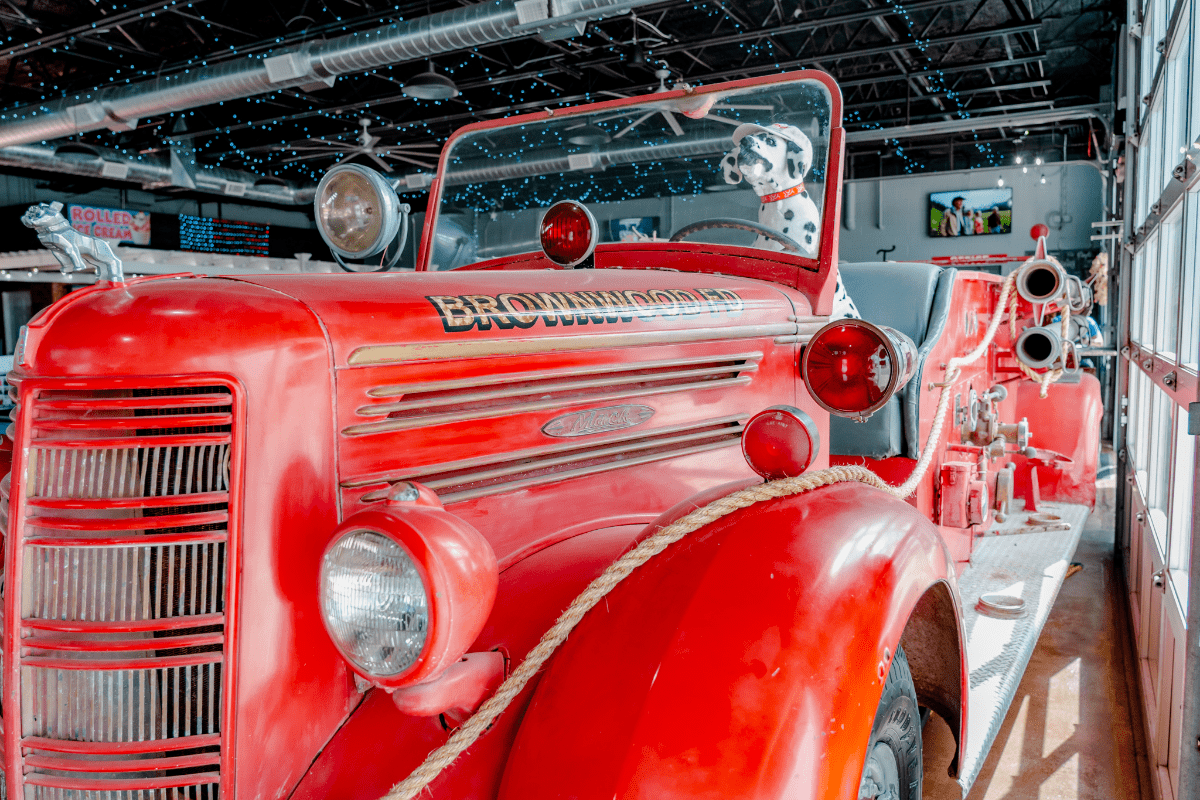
{"x": 970, "y": 212}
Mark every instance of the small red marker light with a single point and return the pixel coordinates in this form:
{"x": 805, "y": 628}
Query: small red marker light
{"x": 780, "y": 442}
{"x": 569, "y": 233}
{"x": 852, "y": 367}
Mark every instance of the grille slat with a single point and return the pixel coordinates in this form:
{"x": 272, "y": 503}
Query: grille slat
{"x": 123, "y": 585}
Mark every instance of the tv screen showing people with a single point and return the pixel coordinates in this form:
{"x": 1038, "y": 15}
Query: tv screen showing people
{"x": 970, "y": 212}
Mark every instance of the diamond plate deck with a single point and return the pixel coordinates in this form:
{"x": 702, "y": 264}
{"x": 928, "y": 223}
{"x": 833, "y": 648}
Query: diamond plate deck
{"x": 1013, "y": 559}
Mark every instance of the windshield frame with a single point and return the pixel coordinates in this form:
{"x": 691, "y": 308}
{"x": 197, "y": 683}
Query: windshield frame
{"x": 830, "y": 216}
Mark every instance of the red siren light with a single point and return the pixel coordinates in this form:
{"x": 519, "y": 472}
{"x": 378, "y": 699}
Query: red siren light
{"x": 852, "y": 367}
{"x": 780, "y": 442}
{"x": 569, "y": 233}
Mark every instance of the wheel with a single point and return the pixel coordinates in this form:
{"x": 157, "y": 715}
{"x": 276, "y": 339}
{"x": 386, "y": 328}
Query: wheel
{"x": 787, "y": 242}
{"x": 892, "y": 769}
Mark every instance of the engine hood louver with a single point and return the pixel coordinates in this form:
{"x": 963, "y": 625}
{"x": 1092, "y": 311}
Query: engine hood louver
{"x": 468, "y": 479}
{"x": 424, "y": 404}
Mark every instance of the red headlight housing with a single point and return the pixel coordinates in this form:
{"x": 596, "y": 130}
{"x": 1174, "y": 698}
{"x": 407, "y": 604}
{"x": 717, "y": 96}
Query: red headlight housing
{"x": 569, "y": 233}
{"x": 852, "y": 367}
{"x": 405, "y": 588}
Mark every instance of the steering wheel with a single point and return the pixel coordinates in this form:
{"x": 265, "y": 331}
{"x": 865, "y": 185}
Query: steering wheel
{"x": 788, "y": 242}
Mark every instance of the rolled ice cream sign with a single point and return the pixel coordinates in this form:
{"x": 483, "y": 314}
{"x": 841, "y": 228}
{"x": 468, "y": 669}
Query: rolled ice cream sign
{"x": 113, "y": 224}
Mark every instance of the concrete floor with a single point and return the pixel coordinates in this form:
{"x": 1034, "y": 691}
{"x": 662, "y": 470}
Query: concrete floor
{"x": 1074, "y": 729}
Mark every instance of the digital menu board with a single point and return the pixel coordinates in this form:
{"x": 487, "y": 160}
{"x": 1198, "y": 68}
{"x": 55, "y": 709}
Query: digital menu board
{"x": 210, "y": 235}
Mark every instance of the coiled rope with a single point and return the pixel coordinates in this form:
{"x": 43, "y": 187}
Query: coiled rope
{"x": 465, "y": 736}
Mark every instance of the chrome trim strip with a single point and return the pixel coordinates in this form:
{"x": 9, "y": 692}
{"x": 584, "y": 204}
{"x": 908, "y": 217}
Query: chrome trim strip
{"x": 399, "y": 390}
{"x": 483, "y": 348}
{"x": 517, "y": 469}
{"x": 391, "y": 425}
{"x": 541, "y": 388}
{"x": 499, "y": 488}
{"x": 532, "y": 452}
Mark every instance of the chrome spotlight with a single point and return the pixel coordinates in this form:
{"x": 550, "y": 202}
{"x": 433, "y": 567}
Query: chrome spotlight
{"x": 359, "y": 216}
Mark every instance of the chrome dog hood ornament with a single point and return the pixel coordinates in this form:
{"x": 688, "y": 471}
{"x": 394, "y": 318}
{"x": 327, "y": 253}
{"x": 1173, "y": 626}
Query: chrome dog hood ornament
{"x": 70, "y": 248}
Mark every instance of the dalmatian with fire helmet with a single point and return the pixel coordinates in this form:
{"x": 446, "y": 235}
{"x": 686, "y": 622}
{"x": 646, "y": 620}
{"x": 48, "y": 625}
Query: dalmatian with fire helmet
{"x": 774, "y": 159}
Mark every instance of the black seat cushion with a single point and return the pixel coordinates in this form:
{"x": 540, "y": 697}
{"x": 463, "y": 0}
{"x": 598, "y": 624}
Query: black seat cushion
{"x": 915, "y": 300}
{"x": 893, "y": 294}
{"x": 878, "y": 437}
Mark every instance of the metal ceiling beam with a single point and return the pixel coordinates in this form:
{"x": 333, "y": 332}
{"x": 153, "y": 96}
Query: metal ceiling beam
{"x": 897, "y": 76}
{"x": 1011, "y": 87}
{"x": 799, "y": 27}
{"x": 942, "y": 127}
{"x": 965, "y": 36}
{"x": 90, "y": 28}
{"x": 810, "y": 60}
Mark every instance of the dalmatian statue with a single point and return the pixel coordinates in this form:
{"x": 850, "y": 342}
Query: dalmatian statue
{"x": 70, "y": 248}
{"x": 774, "y": 159}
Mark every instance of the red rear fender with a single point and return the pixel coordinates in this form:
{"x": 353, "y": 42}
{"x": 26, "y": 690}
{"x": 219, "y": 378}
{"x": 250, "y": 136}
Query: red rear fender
{"x": 746, "y": 661}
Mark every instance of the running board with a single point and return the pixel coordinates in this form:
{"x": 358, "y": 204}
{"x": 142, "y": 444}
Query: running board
{"x": 1016, "y": 559}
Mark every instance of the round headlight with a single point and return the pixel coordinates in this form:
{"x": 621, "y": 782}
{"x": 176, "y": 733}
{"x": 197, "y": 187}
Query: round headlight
{"x": 374, "y": 602}
{"x": 358, "y": 213}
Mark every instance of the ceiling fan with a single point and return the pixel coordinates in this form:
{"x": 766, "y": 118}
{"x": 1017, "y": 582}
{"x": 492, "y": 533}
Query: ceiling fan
{"x": 423, "y": 154}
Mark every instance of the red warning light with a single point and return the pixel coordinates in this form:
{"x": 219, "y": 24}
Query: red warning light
{"x": 569, "y": 233}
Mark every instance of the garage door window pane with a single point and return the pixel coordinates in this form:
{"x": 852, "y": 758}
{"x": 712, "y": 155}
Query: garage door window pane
{"x": 1149, "y": 290}
{"x": 1176, "y": 89}
{"x": 1181, "y": 495}
{"x": 1161, "y": 449}
{"x": 1147, "y": 169}
{"x": 1194, "y": 125}
{"x": 1189, "y": 334}
{"x": 1146, "y": 392}
{"x": 1166, "y": 314}
{"x": 1132, "y": 441}
{"x": 1149, "y": 58}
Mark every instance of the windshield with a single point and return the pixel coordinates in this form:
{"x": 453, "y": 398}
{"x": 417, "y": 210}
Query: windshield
{"x": 645, "y": 169}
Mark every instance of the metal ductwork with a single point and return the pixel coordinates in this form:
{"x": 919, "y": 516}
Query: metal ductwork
{"x": 153, "y": 174}
{"x": 313, "y": 65}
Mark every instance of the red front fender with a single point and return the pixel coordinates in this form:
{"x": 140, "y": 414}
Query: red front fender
{"x": 744, "y": 662}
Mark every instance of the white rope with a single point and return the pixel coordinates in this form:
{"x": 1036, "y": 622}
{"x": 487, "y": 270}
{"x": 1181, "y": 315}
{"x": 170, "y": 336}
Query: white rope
{"x": 465, "y": 736}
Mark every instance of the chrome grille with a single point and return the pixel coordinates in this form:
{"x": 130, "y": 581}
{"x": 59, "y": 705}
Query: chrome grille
{"x": 123, "y": 564}
{"x": 205, "y": 791}
{"x": 128, "y": 471}
{"x": 124, "y": 584}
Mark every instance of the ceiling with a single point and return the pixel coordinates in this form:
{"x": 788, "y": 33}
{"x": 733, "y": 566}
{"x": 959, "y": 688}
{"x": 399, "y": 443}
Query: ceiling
{"x": 986, "y": 65}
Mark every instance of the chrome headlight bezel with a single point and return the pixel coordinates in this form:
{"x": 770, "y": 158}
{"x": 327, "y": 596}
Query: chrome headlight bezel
{"x": 388, "y": 205}
{"x": 376, "y": 605}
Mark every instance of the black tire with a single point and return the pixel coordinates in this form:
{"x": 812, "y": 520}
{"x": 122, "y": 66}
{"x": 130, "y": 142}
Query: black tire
{"x": 892, "y": 764}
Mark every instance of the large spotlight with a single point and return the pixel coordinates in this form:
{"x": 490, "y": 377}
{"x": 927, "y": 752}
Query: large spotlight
{"x": 359, "y": 216}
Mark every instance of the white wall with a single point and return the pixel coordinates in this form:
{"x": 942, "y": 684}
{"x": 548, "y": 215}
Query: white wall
{"x": 1071, "y": 199}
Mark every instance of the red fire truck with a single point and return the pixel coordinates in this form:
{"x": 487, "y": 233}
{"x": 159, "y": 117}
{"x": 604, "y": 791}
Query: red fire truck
{"x": 283, "y": 536}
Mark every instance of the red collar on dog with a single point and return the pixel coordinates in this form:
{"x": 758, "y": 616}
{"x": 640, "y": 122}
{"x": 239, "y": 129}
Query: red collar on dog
{"x": 786, "y": 193}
